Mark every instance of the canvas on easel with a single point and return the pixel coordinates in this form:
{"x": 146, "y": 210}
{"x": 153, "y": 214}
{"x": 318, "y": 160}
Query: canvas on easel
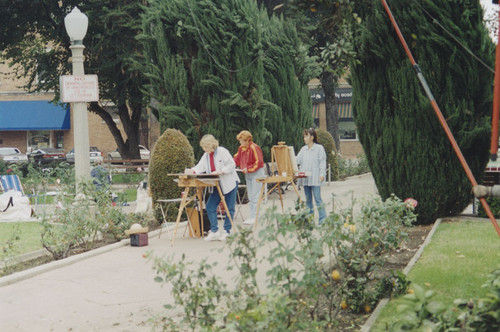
{"x": 283, "y": 158}
{"x": 284, "y": 165}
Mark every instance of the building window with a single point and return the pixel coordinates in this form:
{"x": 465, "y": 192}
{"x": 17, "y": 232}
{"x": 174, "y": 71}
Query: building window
{"x": 316, "y": 114}
{"x": 59, "y": 139}
{"x": 347, "y": 129}
{"x": 38, "y": 139}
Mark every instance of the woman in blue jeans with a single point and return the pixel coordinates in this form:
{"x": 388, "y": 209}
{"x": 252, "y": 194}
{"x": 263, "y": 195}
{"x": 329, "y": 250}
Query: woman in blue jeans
{"x": 218, "y": 160}
{"x": 312, "y": 160}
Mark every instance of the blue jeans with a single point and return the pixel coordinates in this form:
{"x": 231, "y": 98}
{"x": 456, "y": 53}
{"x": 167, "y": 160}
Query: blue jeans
{"x": 315, "y": 191}
{"x": 253, "y": 190}
{"x": 212, "y": 204}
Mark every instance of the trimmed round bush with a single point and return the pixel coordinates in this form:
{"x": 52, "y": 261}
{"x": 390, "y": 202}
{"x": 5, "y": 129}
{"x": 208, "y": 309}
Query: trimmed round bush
{"x": 326, "y": 139}
{"x": 172, "y": 153}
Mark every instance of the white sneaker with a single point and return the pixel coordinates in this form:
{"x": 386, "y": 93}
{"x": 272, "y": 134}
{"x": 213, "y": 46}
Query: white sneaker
{"x": 212, "y": 236}
{"x": 249, "y": 221}
{"x": 223, "y": 235}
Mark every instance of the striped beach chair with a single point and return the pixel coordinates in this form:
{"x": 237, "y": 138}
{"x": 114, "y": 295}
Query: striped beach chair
{"x": 11, "y": 182}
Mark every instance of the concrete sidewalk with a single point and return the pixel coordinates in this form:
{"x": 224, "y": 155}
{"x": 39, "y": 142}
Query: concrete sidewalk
{"x": 112, "y": 289}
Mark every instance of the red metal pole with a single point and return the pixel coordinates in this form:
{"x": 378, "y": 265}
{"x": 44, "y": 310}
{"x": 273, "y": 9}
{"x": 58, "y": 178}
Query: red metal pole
{"x": 440, "y": 116}
{"x": 496, "y": 100}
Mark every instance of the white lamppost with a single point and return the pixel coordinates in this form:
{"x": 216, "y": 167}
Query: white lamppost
{"x": 76, "y": 24}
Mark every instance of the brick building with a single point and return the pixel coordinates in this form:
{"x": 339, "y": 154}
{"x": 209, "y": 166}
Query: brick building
{"x": 30, "y": 120}
{"x": 350, "y": 147}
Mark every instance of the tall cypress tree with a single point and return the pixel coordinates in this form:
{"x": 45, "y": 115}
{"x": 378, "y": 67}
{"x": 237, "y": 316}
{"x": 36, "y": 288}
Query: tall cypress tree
{"x": 223, "y": 66}
{"x": 407, "y": 150}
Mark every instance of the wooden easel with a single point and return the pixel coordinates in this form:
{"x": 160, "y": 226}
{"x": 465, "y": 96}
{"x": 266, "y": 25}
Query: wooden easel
{"x": 281, "y": 162}
{"x": 198, "y": 182}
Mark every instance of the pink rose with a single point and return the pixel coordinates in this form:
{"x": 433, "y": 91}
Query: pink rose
{"x": 411, "y": 203}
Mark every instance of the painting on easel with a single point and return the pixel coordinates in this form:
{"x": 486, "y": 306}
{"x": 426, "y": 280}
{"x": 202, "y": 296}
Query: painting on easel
{"x": 284, "y": 165}
{"x": 283, "y": 160}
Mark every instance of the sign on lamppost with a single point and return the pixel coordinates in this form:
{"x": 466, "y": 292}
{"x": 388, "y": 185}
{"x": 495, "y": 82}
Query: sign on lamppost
{"x": 79, "y": 89}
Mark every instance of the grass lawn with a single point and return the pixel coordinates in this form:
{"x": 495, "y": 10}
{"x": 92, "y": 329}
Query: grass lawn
{"x": 29, "y": 237}
{"x": 455, "y": 264}
{"x": 127, "y": 195}
{"x": 29, "y": 232}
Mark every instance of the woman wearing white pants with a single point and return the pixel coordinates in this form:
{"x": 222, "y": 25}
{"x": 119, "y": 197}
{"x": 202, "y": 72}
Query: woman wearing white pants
{"x": 249, "y": 159}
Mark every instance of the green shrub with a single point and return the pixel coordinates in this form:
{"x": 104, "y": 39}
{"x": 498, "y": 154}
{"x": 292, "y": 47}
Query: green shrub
{"x": 300, "y": 293}
{"x": 326, "y": 139}
{"x": 418, "y": 311}
{"x": 172, "y": 153}
{"x": 494, "y": 203}
{"x": 3, "y": 167}
{"x": 351, "y": 167}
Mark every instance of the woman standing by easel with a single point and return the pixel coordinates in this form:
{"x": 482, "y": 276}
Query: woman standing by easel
{"x": 218, "y": 161}
{"x": 249, "y": 159}
{"x": 312, "y": 159}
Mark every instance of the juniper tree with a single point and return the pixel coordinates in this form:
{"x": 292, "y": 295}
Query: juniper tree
{"x": 222, "y": 66}
{"x": 406, "y": 148}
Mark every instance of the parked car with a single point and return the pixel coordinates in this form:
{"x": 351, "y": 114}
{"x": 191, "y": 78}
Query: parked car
{"x": 142, "y": 149}
{"x": 12, "y": 155}
{"x": 47, "y": 156}
{"x": 95, "y": 155}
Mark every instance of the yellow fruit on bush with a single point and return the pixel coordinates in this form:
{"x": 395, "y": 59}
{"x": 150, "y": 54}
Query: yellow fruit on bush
{"x": 367, "y": 308}
{"x": 410, "y": 291}
{"x": 346, "y": 224}
{"x": 336, "y": 275}
{"x": 343, "y": 305}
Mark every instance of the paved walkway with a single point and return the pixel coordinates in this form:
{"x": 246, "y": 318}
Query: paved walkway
{"x": 112, "y": 288}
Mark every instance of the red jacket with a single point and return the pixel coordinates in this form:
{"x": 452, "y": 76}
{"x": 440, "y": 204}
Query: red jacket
{"x": 249, "y": 157}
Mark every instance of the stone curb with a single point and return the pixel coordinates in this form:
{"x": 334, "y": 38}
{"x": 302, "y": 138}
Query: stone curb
{"x": 382, "y": 303}
{"x": 26, "y": 274}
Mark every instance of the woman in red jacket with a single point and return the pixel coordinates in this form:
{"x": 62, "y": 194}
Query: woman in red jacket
{"x": 249, "y": 159}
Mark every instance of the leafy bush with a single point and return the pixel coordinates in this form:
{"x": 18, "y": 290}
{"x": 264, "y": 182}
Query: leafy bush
{"x": 7, "y": 250}
{"x": 172, "y": 153}
{"x": 358, "y": 245}
{"x": 418, "y": 311}
{"x": 494, "y": 203}
{"x": 3, "y": 167}
{"x": 326, "y": 139}
{"x": 81, "y": 223}
{"x": 351, "y": 167}
{"x": 303, "y": 290}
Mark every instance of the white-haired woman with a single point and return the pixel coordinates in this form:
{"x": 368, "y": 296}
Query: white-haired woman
{"x": 218, "y": 160}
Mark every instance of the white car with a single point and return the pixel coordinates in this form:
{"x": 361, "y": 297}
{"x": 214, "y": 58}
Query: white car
{"x": 12, "y": 155}
{"x": 95, "y": 155}
{"x": 115, "y": 155}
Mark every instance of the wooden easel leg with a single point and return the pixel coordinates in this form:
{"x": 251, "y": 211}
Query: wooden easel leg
{"x": 281, "y": 198}
{"x": 181, "y": 208}
{"x": 199, "y": 192}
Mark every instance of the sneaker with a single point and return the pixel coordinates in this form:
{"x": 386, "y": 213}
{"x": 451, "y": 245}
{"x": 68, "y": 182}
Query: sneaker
{"x": 249, "y": 221}
{"x": 212, "y": 236}
{"x": 223, "y": 235}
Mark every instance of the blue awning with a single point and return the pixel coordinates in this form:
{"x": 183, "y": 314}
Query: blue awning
{"x": 33, "y": 115}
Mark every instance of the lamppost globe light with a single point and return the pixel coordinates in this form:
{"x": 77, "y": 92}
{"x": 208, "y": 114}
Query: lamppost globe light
{"x": 76, "y": 24}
